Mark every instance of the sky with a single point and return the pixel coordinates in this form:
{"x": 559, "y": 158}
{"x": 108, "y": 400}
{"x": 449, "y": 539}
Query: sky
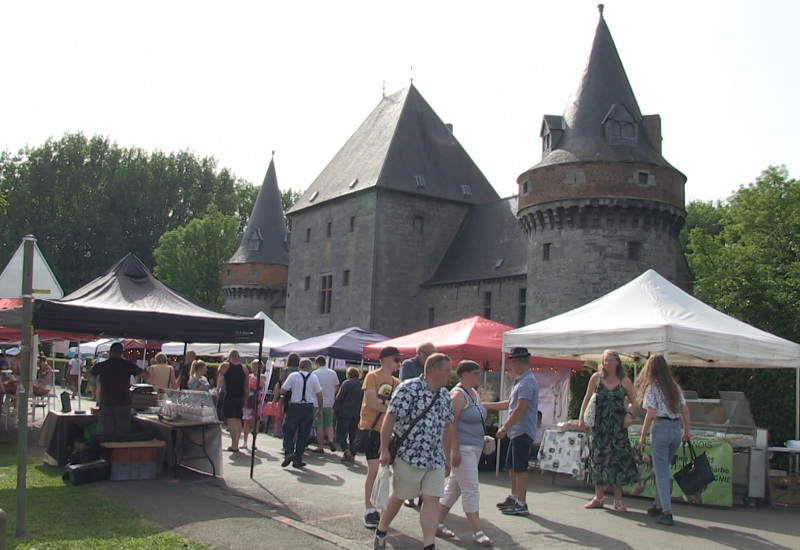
{"x": 238, "y": 80}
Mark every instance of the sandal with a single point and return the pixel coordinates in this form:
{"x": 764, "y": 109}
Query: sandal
{"x": 618, "y": 506}
{"x": 442, "y": 531}
{"x": 481, "y": 538}
{"x": 595, "y": 503}
{"x": 231, "y": 449}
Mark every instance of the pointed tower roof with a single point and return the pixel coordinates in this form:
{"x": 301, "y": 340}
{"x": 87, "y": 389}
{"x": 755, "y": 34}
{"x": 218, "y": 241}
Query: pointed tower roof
{"x": 402, "y": 145}
{"x": 602, "y": 121}
{"x": 265, "y": 241}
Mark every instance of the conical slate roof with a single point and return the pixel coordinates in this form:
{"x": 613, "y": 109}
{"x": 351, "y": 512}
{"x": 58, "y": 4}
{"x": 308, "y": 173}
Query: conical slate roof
{"x": 402, "y": 145}
{"x": 603, "y": 93}
{"x": 265, "y": 240}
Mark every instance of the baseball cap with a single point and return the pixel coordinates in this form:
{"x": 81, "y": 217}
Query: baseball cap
{"x": 389, "y": 351}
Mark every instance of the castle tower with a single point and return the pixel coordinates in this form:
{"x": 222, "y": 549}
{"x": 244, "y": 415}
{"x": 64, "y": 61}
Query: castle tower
{"x": 256, "y": 276}
{"x": 603, "y": 205}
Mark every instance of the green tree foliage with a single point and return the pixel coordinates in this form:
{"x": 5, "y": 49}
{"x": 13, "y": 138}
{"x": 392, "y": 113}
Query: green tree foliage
{"x": 89, "y": 201}
{"x": 744, "y": 254}
{"x": 288, "y": 198}
{"x": 189, "y": 258}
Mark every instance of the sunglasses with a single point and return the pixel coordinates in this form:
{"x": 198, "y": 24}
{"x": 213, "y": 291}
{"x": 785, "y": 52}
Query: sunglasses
{"x": 397, "y": 360}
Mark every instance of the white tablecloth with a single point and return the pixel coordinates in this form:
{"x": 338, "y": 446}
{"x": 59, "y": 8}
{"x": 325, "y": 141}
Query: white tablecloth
{"x": 564, "y": 452}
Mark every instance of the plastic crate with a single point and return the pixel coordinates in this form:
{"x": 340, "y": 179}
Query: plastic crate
{"x": 131, "y": 451}
{"x": 122, "y": 471}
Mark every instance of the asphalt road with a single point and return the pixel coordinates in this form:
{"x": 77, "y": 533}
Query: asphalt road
{"x": 321, "y": 507}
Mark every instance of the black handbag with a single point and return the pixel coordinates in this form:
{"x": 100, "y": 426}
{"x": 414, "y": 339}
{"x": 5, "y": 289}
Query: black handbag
{"x": 363, "y": 441}
{"x": 696, "y": 475}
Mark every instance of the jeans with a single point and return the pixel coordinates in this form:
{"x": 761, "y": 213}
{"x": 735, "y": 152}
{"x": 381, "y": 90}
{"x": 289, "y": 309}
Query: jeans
{"x": 114, "y": 420}
{"x": 665, "y": 437}
{"x": 298, "y": 422}
{"x": 346, "y": 429}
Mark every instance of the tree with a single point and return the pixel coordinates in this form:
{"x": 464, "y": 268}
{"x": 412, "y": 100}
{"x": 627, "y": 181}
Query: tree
{"x": 89, "y": 202}
{"x": 744, "y": 255}
{"x": 189, "y": 258}
{"x": 750, "y": 268}
{"x": 288, "y": 198}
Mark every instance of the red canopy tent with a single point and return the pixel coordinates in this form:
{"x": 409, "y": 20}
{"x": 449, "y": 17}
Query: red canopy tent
{"x": 474, "y": 338}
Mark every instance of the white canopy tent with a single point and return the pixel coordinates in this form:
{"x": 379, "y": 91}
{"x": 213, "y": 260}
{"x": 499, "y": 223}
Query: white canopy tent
{"x": 648, "y": 315}
{"x": 274, "y": 336}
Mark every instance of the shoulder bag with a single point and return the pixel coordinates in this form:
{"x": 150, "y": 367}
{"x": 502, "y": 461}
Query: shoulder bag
{"x": 489, "y": 443}
{"x": 591, "y": 407}
{"x": 696, "y": 475}
{"x": 395, "y": 441}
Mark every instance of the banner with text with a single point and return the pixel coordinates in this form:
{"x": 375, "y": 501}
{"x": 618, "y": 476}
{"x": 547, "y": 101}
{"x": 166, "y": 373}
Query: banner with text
{"x": 720, "y": 457}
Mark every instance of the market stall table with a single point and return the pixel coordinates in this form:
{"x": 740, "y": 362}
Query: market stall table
{"x": 564, "y": 452}
{"x": 183, "y": 440}
{"x": 793, "y": 483}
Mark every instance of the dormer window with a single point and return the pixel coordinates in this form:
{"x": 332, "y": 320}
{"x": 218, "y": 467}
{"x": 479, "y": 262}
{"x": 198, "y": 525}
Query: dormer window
{"x": 419, "y": 181}
{"x": 254, "y": 240}
{"x": 466, "y": 191}
{"x": 620, "y": 126}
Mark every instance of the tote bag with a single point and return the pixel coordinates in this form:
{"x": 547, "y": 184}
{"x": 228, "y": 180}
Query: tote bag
{"x": 696, "y": 475}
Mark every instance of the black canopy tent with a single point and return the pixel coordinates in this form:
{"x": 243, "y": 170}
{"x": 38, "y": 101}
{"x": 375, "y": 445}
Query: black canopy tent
{"x": 128, "y": 302}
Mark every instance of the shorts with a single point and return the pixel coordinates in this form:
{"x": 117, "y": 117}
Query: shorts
{"x": 410, "y": 482}
{"x": 248, "y": 414}
{"x": 519, "y": 453}
{"x": 232, "y": 406}
{"x": 327, "y": 418}
{"x": 374, "y": 451}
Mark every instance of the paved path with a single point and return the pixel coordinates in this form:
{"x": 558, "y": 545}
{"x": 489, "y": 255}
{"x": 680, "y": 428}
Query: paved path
{"x": 321, "y": 507}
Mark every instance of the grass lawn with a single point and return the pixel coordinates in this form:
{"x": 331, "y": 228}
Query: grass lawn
{"x": 61, "y": 516}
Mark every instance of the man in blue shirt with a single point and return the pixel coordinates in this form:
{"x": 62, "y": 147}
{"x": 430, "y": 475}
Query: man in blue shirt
{"x": 520, "y": 427}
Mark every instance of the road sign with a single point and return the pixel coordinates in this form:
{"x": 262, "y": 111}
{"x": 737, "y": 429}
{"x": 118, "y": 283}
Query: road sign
{"x": 45, "y": 285}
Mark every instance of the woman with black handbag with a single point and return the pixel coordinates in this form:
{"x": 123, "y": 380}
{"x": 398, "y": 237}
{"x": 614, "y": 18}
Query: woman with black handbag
{"x": 662, "y": 397}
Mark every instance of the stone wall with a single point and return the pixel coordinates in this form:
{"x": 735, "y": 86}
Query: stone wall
{"x": 506, "y": 301}
{"x": 581, "y": 250}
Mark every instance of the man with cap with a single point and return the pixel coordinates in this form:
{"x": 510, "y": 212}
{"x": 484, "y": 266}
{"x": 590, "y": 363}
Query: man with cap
{"x": 520, "y": 427}
{"x": 378, "y": 387}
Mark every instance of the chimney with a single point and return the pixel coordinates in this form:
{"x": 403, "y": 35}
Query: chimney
{"x": 652, "y": 127}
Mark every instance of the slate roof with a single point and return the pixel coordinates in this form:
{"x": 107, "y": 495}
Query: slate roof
{"x": 402, "y": 140}
{"x": 489, "y": 233}
{"x": 603, "y": 86}
{"x": 267, "y": 225}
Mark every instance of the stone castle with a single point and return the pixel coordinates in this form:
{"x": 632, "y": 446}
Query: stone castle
{"x": 401, "y": 231}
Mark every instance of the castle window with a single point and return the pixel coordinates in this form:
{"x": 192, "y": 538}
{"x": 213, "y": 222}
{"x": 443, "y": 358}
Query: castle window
{"x": 546, "y": 251}
{"x": 254, "y": 241}
{"x": 431, "y": 317}
{"x": 526, "y": 187}
{"x": 620, "y": 126}
{"x": 418, "y": 225}
{"x": 352, "y": 223}
{"x": 487, "y": 305}
{"x": 353, "y": 183}
{"x": 634, "y": 251}
{"x": 346, "y": 278}
{"x": 228, "y": 272}
{"x": 466, "y": 191}
{"x": 325, "y": 294}
{"x": 328, "y": 230}
{"x": 643, "y": 178}
{"x": 523, "y": 297}
{"x": 419, "y": 181}
{"x": 314, "y": 196}
{"x": 308, "y": 235}
{"x": 254, "y": 272}
{"x": 307, "y": 283}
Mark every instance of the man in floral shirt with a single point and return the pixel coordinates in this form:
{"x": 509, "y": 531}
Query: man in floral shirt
{"x": 421, "y": 463}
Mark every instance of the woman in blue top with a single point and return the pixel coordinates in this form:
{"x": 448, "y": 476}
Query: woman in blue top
{"x": 466, "y": 446}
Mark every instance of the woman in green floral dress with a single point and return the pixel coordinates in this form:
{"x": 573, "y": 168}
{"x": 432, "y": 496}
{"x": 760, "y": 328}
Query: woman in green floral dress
{"x": 611, "y": 460}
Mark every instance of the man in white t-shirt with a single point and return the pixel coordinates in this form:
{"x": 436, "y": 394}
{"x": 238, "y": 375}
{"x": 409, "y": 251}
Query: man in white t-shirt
{"x": 74, "y": 374}
{"x": 330, "y": 386}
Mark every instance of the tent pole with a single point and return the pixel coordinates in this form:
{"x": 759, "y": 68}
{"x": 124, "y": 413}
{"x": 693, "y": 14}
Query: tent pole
{"x": 797, "y": 404}
{"x": 499, "y": 413}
